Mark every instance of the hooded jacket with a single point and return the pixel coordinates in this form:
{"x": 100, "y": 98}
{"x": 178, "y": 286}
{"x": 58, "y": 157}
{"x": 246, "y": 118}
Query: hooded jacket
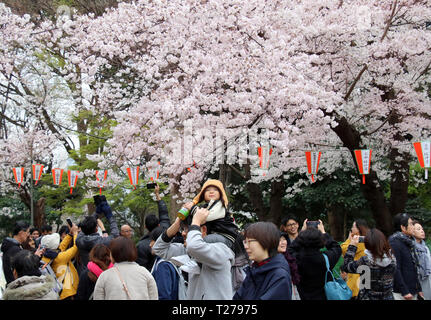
{"x": 63, "y": 267}
{"x": 212, "y": 279}
{"x": 31, "y": 288}
{"x": 270, "y": 281}
{"x": 381, "y": 274}
{"x": 9, "y": 247}
{"x": 212, "y": 183}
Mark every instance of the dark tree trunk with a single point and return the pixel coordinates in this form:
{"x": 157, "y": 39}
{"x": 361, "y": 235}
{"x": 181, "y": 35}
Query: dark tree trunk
{"x": 276, "y": 205}
{"x": 38, "y": 208}
{"x": 255, "y": 196}
{"x": 336, "y": 223}
{"x": 371, "y": 190}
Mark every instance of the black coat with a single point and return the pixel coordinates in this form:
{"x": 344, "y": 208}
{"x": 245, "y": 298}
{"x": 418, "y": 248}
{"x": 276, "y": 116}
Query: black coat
{"x": 10, "y": 247}
{"x": 85, "y": 286}
{"x": 86, "y": 242}
{"x": 312, "y": 267}
{"x": 145, "y": 257}
{"x": 406, "y": 278}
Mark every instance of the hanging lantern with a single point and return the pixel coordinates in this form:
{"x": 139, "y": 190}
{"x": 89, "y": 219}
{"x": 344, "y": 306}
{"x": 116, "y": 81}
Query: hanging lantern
{"x": 423, "y": 152}
{"x": 133, "y": 176}
{"x": 19, "y": 175}
{"x": 264, "y": 153}
{"x": 194, "y": 166}
{"x": 313, "y": 159}
{"x": 57, "y": 174}
{"x": 37, "y": 172}
{"x": 101, "y": 178}
{"x": 72, "y": 177}
{"x": 363, "y": 159}
{"x": 153, "y": 172}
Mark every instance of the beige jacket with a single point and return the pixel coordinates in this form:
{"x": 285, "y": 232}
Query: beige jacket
{"x": 139, "y": 282}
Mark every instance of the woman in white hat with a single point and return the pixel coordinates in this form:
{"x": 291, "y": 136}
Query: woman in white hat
{"x": 60, "y": 257}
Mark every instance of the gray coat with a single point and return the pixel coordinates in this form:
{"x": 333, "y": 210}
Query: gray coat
{"x": 31, "y": 288}
{"x": 215, "y": 260}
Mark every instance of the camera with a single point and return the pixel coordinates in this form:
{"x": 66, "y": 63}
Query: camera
{"x": 361, "y": 239}
{"x": 151, "y": 185}
{"x": 313, "y": 224}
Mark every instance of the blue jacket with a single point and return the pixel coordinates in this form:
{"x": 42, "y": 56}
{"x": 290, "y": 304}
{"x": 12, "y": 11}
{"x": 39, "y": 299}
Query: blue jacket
{"x": 270, "y": 281}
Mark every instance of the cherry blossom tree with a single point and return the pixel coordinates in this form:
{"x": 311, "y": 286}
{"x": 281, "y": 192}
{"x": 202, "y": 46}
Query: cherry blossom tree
{"x": 206, "y": 82}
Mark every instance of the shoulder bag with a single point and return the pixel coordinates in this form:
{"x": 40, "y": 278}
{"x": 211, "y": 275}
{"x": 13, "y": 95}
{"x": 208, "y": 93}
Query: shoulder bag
{"x": 336, "y": 289}
{"x": 124, "y": 284}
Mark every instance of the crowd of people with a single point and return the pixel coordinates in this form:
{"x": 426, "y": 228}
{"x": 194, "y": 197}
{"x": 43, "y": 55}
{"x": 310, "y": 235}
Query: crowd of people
{"x": 206, "y": 256}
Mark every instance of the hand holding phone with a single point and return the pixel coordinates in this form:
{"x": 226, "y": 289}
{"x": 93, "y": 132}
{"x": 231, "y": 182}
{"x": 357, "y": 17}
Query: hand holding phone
{"x": 313, "y": 224}
{"x": 69, "y": 222}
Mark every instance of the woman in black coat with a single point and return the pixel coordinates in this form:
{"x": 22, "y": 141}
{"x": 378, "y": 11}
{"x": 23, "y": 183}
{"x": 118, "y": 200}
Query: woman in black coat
{"x": 311, "y": 262}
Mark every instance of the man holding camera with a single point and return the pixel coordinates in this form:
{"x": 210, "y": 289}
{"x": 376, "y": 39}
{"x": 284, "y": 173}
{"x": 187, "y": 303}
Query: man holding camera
{"x": 89, "y": 237}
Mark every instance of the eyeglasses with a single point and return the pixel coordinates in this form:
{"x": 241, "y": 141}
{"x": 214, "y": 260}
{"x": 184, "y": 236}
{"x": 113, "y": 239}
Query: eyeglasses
{"x": 247, "y": 242}
{"x": 291, "y": 224}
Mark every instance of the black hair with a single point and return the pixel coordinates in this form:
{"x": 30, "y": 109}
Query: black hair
{"x": 20, "y": 226}
{"x": 267, "y": 234}
{"x": 310, "y": 238}
{"x": 33, "y": 230}
{"x": 63, "y": 229}
{"x": 26, "y": 263}
{"x": 89, "y": 225}
{"x": 401, "y": 219}
{"x": 289, "y": 217}
{"x": 151, "y": 222}
{"x": 362, "y": 226}
{"x": 284, "y": 234}
{"x": 46, "y": 227}
{"x": 155, "y": 234}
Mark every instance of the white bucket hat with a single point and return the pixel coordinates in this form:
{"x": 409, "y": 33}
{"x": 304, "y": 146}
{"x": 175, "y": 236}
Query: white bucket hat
{"x": 51, "y": 241}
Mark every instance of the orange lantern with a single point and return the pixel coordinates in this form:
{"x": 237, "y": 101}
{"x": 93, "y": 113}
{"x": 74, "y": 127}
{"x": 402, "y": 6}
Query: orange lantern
{"x": 313, "y": 159}
{"x": 423, "y": 152}
{"x": 363, "y": 159}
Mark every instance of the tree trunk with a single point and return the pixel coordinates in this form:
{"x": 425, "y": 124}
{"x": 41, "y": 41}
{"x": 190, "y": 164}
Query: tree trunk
{"x": 255, "y": 195}
{"x": 174, "y": 206}
{"x": 372, "y": 191}
{"x": 276, "y": 205}
{"x": 336, "y": 224}
{"x": 39, "y": 213}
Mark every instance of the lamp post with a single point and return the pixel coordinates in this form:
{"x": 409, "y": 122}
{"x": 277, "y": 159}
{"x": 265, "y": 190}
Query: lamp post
{"x": 31, "y": 186}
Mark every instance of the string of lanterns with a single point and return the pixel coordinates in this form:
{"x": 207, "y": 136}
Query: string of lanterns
{"x": 362, "y": 157}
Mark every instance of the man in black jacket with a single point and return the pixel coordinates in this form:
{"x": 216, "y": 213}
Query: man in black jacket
{"x": 89, "y": 237}
{"x": 145, "y": 257}
{"x": 406, "y": 283}
{"x": 11, "y": 246}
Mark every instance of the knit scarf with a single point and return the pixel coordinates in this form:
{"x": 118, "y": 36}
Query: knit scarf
{"x": 410, "y": 243}
{"x": 424, "y": 258}
{"x": 94, "y": 271}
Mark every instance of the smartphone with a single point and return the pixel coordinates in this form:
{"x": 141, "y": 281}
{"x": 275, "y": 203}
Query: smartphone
{"x": 361, "y": 239}
{"x": 151, "y": 185}
{"x": 69, "y": 222}
{"x": 313, "y": 224}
